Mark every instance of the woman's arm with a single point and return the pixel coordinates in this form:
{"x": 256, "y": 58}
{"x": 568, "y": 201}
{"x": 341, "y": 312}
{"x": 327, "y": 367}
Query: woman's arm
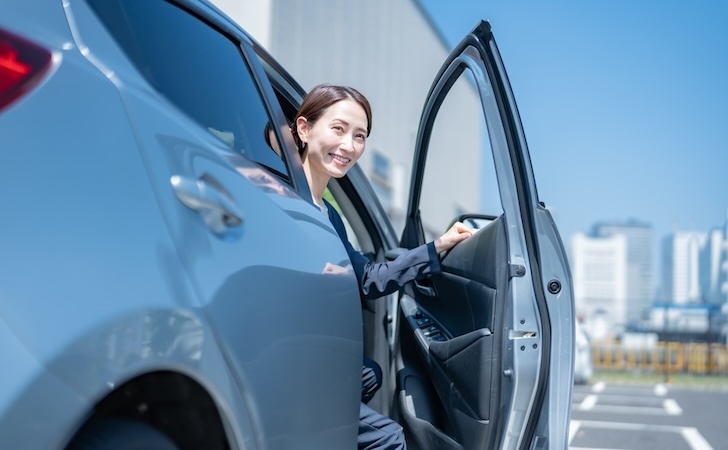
{"x": 379, "y": 279}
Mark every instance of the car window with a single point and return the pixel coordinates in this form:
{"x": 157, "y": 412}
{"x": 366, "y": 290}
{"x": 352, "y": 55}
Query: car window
{"x": 459, "y": 149}
{"x": 197, "y": 68}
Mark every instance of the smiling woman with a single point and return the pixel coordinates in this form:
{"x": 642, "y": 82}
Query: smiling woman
{"x": 330, "y": 130}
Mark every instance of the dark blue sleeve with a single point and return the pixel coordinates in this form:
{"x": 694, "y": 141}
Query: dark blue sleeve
{"x": 378, "y": 279}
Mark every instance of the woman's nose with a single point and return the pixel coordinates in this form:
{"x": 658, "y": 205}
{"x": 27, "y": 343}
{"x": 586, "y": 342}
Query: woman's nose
{"x": 347, "y": 142}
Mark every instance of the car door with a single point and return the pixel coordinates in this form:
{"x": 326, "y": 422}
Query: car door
{"x": 486, "y": 346}
{"x": 253, "y": 246}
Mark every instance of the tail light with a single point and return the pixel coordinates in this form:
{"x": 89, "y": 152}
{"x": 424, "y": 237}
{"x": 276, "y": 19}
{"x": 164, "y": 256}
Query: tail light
{"x": 22, "y": 65}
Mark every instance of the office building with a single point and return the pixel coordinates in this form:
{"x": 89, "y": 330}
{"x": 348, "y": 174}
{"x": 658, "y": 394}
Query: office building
{"x": 640, "y": 289}
{"x": 600, "y": 272}
{"x": 681, "y": 256}
{"x": 714, "y": 263}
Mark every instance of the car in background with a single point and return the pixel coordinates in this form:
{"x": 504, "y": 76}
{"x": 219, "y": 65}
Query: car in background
{"x": 162, "y": 267}
{"x": 583, "y": 365}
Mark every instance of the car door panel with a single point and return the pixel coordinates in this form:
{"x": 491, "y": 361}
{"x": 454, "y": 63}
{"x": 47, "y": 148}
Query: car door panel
{"x": 467, "y": 289}
{"x": 470, "y": 290}
{"x": 463, "y": 360}
{"x": 454, "y": 328}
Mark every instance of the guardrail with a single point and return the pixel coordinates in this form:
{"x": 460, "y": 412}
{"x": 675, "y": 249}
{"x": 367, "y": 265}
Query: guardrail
{"x": 663, "y": 357}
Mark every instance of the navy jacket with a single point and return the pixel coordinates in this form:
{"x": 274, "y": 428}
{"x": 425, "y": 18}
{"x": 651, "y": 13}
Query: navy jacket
{"x": 379, "y": 279}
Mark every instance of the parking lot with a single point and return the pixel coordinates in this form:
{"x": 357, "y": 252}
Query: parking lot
{"x": 618, "y": 417}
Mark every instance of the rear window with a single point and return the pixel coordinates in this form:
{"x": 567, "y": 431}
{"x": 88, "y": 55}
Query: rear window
{"x": 197, "y": 68}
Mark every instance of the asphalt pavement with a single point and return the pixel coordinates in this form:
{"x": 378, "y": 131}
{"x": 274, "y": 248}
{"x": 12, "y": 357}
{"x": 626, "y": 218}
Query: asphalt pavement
{"x": 609, "y": 416}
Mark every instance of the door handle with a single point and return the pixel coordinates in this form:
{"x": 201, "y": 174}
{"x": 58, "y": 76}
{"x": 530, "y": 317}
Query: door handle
{"x": 424, "y": 289}
{"x": 218, "y": 211}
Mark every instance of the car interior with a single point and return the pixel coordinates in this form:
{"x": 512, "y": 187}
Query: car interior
{"x": 440, "y": 335}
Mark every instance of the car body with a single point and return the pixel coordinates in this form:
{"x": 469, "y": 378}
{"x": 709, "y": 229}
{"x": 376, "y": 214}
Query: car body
{"x": 583, "y": 364}
{"x": 162, "y": 266}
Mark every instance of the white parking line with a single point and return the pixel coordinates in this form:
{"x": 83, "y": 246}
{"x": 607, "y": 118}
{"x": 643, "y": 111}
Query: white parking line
{"x": 672, "y": 407}
{"x": 588, "y": 402}
{"x": 593, "y": 448}
{"x": 619, "y": 398}
{"x": 573, "y": 428}
{"x": 615, "y": 409}
{"x": 691, "y": 435}
{"x": 600, "y": 387}
{"x": 696, "y": 441}
{"x": 660, "y": 390}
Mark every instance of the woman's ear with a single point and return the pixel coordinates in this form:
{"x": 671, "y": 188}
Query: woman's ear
{"x": 302, "y": 129}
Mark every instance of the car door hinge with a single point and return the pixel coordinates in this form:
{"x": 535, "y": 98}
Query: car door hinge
{"x": 516, "y": 270}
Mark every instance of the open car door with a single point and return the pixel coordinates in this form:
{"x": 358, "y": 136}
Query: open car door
{"x": 486, "y": 346}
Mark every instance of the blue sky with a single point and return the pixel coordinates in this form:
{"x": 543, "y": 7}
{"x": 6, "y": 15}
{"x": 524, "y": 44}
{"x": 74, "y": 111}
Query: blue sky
{"x": 624, "y": 104}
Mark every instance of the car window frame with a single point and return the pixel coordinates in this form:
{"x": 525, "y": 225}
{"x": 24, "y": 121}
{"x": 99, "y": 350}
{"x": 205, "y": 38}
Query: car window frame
{"x": 268, "y": 72}
{"x": 211, "y": 17}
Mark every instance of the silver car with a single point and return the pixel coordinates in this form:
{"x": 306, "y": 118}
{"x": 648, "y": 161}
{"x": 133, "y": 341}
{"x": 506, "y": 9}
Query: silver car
{"x": 162, "y": 277}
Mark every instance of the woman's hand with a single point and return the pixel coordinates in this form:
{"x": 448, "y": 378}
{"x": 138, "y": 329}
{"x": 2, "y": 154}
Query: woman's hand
{"x": 457, "y": 232}
{"x": 333, "y": 269}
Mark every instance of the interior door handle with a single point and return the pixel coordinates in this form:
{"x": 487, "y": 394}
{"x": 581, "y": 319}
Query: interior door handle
{"x": 218, "y": 211}
{"x": 424, "y": 289}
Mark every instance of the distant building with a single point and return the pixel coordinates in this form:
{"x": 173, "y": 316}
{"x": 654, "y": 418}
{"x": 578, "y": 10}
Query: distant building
{"x": 694, "y": 292}
{"x": 391, "y": 51}
{"x": 695, "y": 267}
{"x": 600, "y": 273}
{"x": 681, "y": 256}
{"x": 714, "y": 263}
{"x": 638, "y": 235}
{"x": 685, "y": 322}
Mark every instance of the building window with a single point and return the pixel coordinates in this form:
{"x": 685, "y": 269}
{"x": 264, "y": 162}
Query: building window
{"x": 380, "y": 177}
{"x": 381, "y": 166}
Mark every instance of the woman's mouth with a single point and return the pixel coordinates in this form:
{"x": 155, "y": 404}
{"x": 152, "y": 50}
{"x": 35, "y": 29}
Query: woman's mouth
{"x": 340, "y": 160}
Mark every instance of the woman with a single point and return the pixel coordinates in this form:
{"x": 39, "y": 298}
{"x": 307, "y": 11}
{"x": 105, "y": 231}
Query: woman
{"x": 330, "y": 129}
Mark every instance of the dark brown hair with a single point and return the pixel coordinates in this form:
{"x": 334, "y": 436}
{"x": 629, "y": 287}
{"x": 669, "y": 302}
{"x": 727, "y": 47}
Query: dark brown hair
{"x": 317, "y": 101}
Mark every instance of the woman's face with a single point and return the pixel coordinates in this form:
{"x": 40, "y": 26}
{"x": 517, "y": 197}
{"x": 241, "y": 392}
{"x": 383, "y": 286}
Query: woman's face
{"x": 336, "y": 141}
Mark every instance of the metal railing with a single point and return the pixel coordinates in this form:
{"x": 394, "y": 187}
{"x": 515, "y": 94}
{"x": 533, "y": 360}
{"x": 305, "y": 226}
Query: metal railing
{"x": 663, "y": 357}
